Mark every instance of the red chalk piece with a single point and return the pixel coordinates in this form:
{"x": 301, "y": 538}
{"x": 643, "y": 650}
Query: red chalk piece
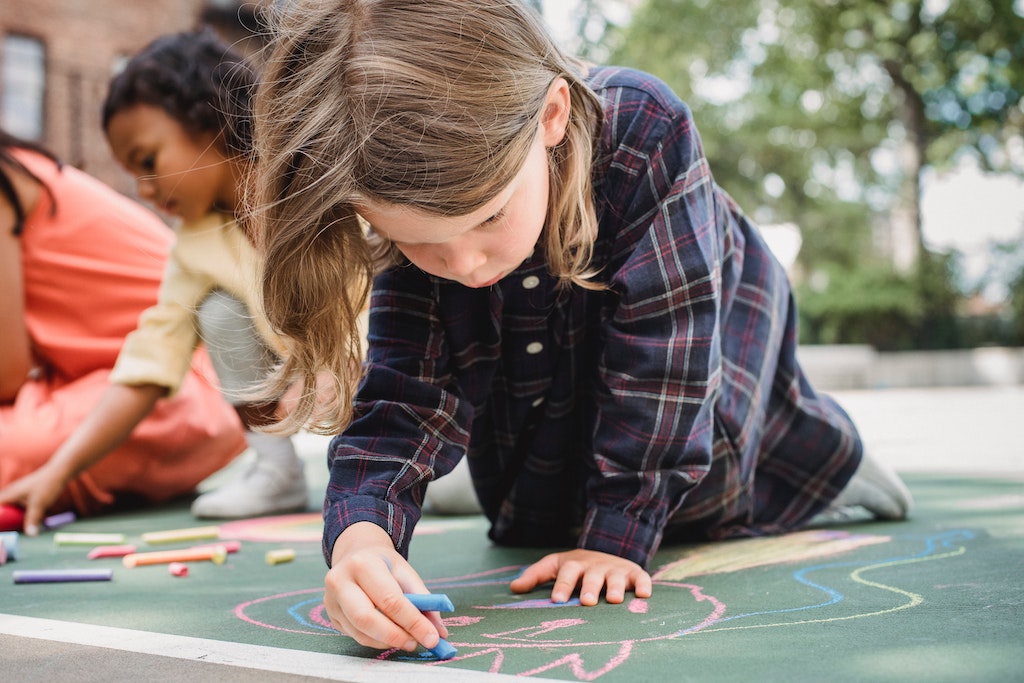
{"x": 12, "y": 517}
{"x": 177, "y": 569}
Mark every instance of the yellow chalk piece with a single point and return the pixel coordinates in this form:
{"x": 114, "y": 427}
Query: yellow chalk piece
{"x": 280, "y": 556}
{"x": 72, "y": 538}
{"x": 216, "y": 554}
{"x": 173, "y": 535}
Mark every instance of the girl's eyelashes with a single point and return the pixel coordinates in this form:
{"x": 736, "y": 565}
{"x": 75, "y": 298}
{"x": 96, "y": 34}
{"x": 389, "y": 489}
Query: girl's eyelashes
{"x": 496, "y": 217}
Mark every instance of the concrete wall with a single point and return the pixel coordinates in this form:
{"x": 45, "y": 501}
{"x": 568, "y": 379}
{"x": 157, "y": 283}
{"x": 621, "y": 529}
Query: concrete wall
{"x": 862, "y": 367}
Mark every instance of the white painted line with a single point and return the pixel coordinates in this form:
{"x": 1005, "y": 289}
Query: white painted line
{"x": 282, "y": 660}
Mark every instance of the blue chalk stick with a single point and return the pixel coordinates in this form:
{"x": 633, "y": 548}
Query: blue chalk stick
{"x": 443, "y": 650}
{"x": 431, "y": 602}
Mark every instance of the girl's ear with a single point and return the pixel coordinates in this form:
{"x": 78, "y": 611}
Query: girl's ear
{"x": 557, "y": 107}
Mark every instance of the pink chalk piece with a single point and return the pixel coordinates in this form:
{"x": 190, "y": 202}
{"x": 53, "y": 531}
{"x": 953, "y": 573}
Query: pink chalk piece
{"x": 3, "y": 554}
{"x": 177, "y": 569}
{"x": 110, "y": 551}
{"x": 230, "y": 546}
{"x": 12, "y": 517}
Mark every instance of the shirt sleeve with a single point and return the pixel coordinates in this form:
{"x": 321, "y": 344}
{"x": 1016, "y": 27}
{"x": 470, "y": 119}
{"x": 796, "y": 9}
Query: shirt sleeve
{"x": 660, "y": 366}
{"x": 410, "y": 425}
{"x": 159, "y": 350}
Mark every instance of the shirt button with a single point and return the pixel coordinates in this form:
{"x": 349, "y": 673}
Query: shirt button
{"x": 537, "y": 401}
{"x": 534, "y": 347}
{"x": 530, "y": 281}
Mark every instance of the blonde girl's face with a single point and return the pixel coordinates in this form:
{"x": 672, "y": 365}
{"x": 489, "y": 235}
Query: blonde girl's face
{"x": 481, "y": 248}
{"x": 179, "y": 172}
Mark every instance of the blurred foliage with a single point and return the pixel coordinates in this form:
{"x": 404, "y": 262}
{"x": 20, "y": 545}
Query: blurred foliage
{"x": 809, "y": 111}
{"x": 877, "y": 305}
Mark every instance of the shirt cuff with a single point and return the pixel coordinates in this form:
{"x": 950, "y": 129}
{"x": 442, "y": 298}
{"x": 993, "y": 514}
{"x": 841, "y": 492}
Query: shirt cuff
{"x": 341, "y": 514}
{"x": 610, "y": 531}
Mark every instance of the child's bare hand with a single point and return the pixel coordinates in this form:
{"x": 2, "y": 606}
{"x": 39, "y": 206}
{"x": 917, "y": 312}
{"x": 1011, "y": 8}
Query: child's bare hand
{"x": 592, "y": 571}
{"x": 35, "y": 492}
{"x": 364, "y": 593}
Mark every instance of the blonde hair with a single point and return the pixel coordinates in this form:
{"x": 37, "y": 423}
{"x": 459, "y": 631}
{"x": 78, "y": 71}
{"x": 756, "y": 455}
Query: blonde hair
{"x": 431, "y": 104}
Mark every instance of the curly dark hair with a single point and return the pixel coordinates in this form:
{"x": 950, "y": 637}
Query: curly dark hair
{"x": 198, "y": 79}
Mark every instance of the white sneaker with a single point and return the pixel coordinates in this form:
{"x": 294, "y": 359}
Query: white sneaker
{"x": 876, "y": 487}
{"x": 264, "y": 489}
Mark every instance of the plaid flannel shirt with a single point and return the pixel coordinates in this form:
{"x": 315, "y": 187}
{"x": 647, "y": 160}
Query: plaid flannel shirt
{"x": 669, "y": 405}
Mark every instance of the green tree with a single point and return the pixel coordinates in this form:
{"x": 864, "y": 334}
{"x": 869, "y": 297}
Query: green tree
{"x": 824, "y": 113}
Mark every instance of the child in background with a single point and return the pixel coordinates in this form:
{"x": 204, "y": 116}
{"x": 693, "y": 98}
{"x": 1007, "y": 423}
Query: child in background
{"x": 78, "y": 264}
{"x": 565, "y": 297}
{"x": 177, "y": 117}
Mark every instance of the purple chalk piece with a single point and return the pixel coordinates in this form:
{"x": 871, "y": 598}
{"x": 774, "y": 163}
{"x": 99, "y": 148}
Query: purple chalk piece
{"x": 431, "y": 602}
{"x": 58, "y": 520}
{"x": 443, "y": 650}
{"x": 61, "y": 575}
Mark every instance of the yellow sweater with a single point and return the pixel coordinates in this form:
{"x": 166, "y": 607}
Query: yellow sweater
{"x": 210, "y": 253}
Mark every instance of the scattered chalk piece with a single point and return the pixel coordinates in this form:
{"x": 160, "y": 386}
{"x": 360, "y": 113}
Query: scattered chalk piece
{"x": 431, "y": 602}
{"x": 58, "y": 520}
{"x": 102, "y": 551}
{"x": 71, "y": 538}
{"x": 3, "y": 554}
{"x": 61, "y": 575}
{"x": 9, "y": 540}
{"x": 230, "y": 546}
{"x": 178, "y": 569}
{"x": 216, "y": 554}
{"x": 12, "y": 517}
{"x": 175, "y": 535}
{"x": 280, "y": 556}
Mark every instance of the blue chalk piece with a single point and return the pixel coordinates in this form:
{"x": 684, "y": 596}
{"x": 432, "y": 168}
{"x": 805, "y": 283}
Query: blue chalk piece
{"x": 10, "y": 541}
{"x": 431, "y": 602}
{"x": 443, "y": 650}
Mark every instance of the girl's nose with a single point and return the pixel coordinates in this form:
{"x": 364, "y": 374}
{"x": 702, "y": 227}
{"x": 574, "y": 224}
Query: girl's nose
{"x": 460, "y": 260}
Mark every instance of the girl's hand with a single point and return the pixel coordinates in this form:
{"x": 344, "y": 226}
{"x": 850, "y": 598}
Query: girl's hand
{"x": 364, "y": 593}
{"x": 35, "y": 492}
{"x": 589, "y": 569}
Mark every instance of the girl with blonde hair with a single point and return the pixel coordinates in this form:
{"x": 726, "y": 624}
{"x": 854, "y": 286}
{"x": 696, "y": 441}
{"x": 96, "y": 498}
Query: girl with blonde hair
{"x": 563, "y": 296}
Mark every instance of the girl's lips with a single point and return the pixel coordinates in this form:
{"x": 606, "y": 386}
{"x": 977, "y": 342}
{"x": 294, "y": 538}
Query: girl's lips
{"x": 489, "y": 283}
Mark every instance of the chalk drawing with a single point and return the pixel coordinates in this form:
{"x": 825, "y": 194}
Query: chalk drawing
{"x": 534, "y": 635}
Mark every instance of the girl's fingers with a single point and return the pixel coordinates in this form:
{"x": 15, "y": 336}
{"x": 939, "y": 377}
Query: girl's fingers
{"x": 615, "y": 590}
{"x": 643, "y": 586}
{"x": 542, "y": 571}
{"x": 568, "y": 578}
{"x": 373, "y": 609}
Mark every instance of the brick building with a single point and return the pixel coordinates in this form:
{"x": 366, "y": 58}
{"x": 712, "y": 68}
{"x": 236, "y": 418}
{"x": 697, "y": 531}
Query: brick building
{"x": 57, "y": 57}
